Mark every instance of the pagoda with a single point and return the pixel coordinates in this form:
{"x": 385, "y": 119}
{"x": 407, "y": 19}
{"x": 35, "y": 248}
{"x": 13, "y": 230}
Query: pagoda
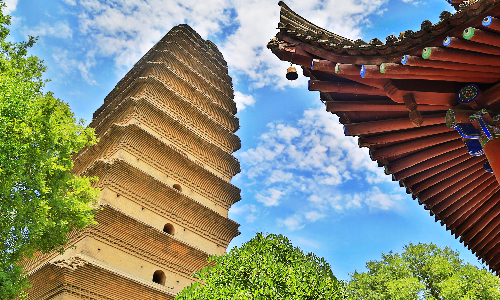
{"x": 164, "y": 163}
{"x": 425, "y": 103}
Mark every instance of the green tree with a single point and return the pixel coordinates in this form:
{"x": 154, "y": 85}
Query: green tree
{"x": 266, "y": 267}
{"x": 41, "y": 201}
{"x": 423, "y": 272}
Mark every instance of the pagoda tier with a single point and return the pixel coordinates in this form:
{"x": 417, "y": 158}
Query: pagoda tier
{"x": 186, "y": 62}
{"x": 176, "y": 108}
{"x": 164, "y": 163}
{"x": 79, "y": 277}
{"x": 136, "y": 146}
{"x": 152, "y": 201}
{"x": 116, "y": 230}
{"x": 426, "y": 104}
{"x": 170, "y": 131}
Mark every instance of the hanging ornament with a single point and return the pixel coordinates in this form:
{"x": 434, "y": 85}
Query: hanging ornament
{"x": 291, "y": 73}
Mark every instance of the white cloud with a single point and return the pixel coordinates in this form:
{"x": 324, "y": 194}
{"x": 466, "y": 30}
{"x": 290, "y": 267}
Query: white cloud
{"x": 125, "y": 30}
{"x": 316, "y": 144}
{"x": 375, "y": 199}
{"x": 303, "y": 243}
{"x": 412, "y": 2}
{"x": 313, "y": 216}
{"x": 243, "y": 100}
{"x": 245, "y": 49}
{"x": 250, "y": 218}
{"x": 279, "y": 176}
{"x": 11, "y": 6}
{"x": 313, "y": 160}
{"x": 242, "y": 209}
{"x": 248, "y": 209}
{"x": 68, "y": 65}
{"x": 70, "y": 2}
{"x": 271, "y": 197}
{"x": 293, "y": 222}
{"x": 59, "y": 30}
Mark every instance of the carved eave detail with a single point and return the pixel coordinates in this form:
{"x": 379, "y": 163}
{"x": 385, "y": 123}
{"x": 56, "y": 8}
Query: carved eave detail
{"x": 309, "y": 33}
{"x": 290, "y": 21}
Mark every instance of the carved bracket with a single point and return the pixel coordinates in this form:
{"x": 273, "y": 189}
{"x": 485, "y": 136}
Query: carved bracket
{"x": 477, "y": 129}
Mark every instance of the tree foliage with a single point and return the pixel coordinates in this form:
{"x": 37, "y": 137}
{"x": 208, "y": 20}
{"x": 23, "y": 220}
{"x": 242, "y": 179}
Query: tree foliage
{"x": 423, "y": 271}
{"x": 41, "y": 201}
{"x": 266, "y": 267}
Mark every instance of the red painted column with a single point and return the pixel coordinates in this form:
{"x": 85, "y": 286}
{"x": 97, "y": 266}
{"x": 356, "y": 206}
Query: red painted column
{"x": 492, "y": 152}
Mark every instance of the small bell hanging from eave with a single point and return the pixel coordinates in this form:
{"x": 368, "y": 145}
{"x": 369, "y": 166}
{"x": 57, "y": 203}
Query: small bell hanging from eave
{"x": 291, "y": 73}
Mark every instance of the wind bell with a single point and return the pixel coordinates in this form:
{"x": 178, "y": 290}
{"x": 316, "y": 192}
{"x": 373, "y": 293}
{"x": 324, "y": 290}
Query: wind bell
{"x": 291, "y": 73}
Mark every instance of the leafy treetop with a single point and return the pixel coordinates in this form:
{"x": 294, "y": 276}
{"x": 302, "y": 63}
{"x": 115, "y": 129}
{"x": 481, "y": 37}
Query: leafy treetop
{"x": 266, "y": 267}
{"x": 423, "y": 271}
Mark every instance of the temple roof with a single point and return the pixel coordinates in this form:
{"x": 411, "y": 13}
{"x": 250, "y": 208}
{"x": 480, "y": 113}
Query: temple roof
{"x": 401, "y": 99}
{"x": 294, "y": 26}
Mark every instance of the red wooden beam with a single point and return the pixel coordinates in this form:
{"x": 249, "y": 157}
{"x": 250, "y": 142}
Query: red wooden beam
{"x": 460, "y": 56}
{"x": 491, "y": 23}
{"x": 491, "y": 97}
{"x": 415, "y": 145}
{"x": 454, "y": 188}
{"x": 486, "y": 246}
{"x": 456, "y": 43}
{"x": 478, "y": 214}
{"x": 390, "y": 125}
{"x": 424, "y": 91}
{"x": 421, "y": 156}
{"x": 347, "y": 69}
{"x": 482, "y": 223}
{"x": 494, "y": 263}
{"x": 345, "y": 88}
{"x": 493, "y": 257}
{"x": 420, "y": 62}
{"x": 405, "y": 135}
{"x": 492, "y": 153}
{"x": 418, "y": 187}
{"x": 431, "y": 162}
{"x": 445, "y": 207}
{"x": 410, "y": 181}
{"x": 451, "y": 185}
{"x": 484, "y": 236}
{"x": 439, "y": 184}
{"x": 492, "y": 227}
{"x": 333, "y": 106}
{"x": 397, "y": 69}
{"x": 461, "y": 214}
{"x": 481, "y": 36}
{"x": 459, "y": 208}
{"x": 482, "y": 246}
{"x": 373, "y": 72}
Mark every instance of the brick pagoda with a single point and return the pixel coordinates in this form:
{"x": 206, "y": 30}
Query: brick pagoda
{"x": 426, "y": 104}
{"x": 164, "y": 165}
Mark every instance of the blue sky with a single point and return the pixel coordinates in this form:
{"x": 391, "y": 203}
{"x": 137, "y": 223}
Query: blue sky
{"x": 301, "y": 176}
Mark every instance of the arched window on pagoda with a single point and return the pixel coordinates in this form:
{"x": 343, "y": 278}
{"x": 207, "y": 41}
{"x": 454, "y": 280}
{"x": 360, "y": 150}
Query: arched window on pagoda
{"x": 159, "y": 277}
{"x": 177, "y": 187}
{"x": 169, "y": 228}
